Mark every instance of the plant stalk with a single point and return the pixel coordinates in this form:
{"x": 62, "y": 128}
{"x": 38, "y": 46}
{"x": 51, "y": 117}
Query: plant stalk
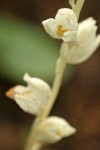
{"x": 60, "y": 67}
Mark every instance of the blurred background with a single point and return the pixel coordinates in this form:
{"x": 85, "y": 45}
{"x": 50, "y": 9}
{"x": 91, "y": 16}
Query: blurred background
{"x": 25, "y": 47}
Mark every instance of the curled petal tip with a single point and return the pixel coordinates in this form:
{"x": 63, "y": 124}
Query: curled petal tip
{"x": 26, "y": 76}
{"x": 72, "y": 130}
{"x": 10, "y": 92}
{"x": 44, "y": 22}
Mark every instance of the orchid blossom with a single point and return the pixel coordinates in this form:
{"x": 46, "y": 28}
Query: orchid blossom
{"x": 87, "y": 43}
{"x": 64, "y": 26}
{"x": 32, "y": 98}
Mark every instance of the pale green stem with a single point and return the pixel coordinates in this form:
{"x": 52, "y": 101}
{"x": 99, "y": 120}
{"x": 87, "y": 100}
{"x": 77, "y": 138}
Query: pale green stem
{"x": 31, "y": 144}
{"x": 35, "y": 146}
{"x": 72, "y": 3}
{"x": 78, "y": 7}
{"x": 60, "y": 67}
{"x": 61, "y": 64}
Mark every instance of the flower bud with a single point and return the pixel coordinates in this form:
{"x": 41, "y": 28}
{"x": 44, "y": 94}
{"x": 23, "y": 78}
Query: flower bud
{"x": 53, "y": 129}
{"x": 32, "y": 98}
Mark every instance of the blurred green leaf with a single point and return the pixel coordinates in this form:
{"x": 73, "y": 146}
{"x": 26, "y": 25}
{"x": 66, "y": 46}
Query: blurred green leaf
{"x": 26, "y": 48}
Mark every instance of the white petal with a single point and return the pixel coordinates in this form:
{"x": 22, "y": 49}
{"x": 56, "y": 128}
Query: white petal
{"x": 87, "y": 22}
{"x": 26, "y": 104}
{"x": 54, "y": 129}
{"x": 67, "y": 23}
{"x": 96, "y": 43}
{"x": 86, "y": 31}
{"x": 61, "y": 20}
{"x": 31, "y": 103}
{"x": 50, "y": 26}
{"x": 37, "y": 84}
{"x": 66, "y": 18}
{"x": 67, "y": 13}
{"x": 80, "y": 54}
{"x": 70, "y": 36}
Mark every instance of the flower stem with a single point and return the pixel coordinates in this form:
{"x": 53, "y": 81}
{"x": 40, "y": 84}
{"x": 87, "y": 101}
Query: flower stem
{"x": 35, "y": 146}
{"x": 72, "y": 3}
{"x": 60, "y": 67}
{"x": 78, "y": 7}
{"x": 61, "y": 64}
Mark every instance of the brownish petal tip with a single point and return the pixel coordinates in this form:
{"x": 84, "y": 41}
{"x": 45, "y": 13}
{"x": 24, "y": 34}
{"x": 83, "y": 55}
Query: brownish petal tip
{"x": 10, "y": 92}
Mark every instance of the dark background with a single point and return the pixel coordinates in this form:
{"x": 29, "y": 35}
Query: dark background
{"x": 79, "y": 98}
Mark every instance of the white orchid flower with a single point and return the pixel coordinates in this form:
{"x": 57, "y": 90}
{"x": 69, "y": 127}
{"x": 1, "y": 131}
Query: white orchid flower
{"x": 32, "y": 98}
{"x": 53, "y": 129}
{"x": 64, "y": 26}
{"x": 87, "y": 43}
